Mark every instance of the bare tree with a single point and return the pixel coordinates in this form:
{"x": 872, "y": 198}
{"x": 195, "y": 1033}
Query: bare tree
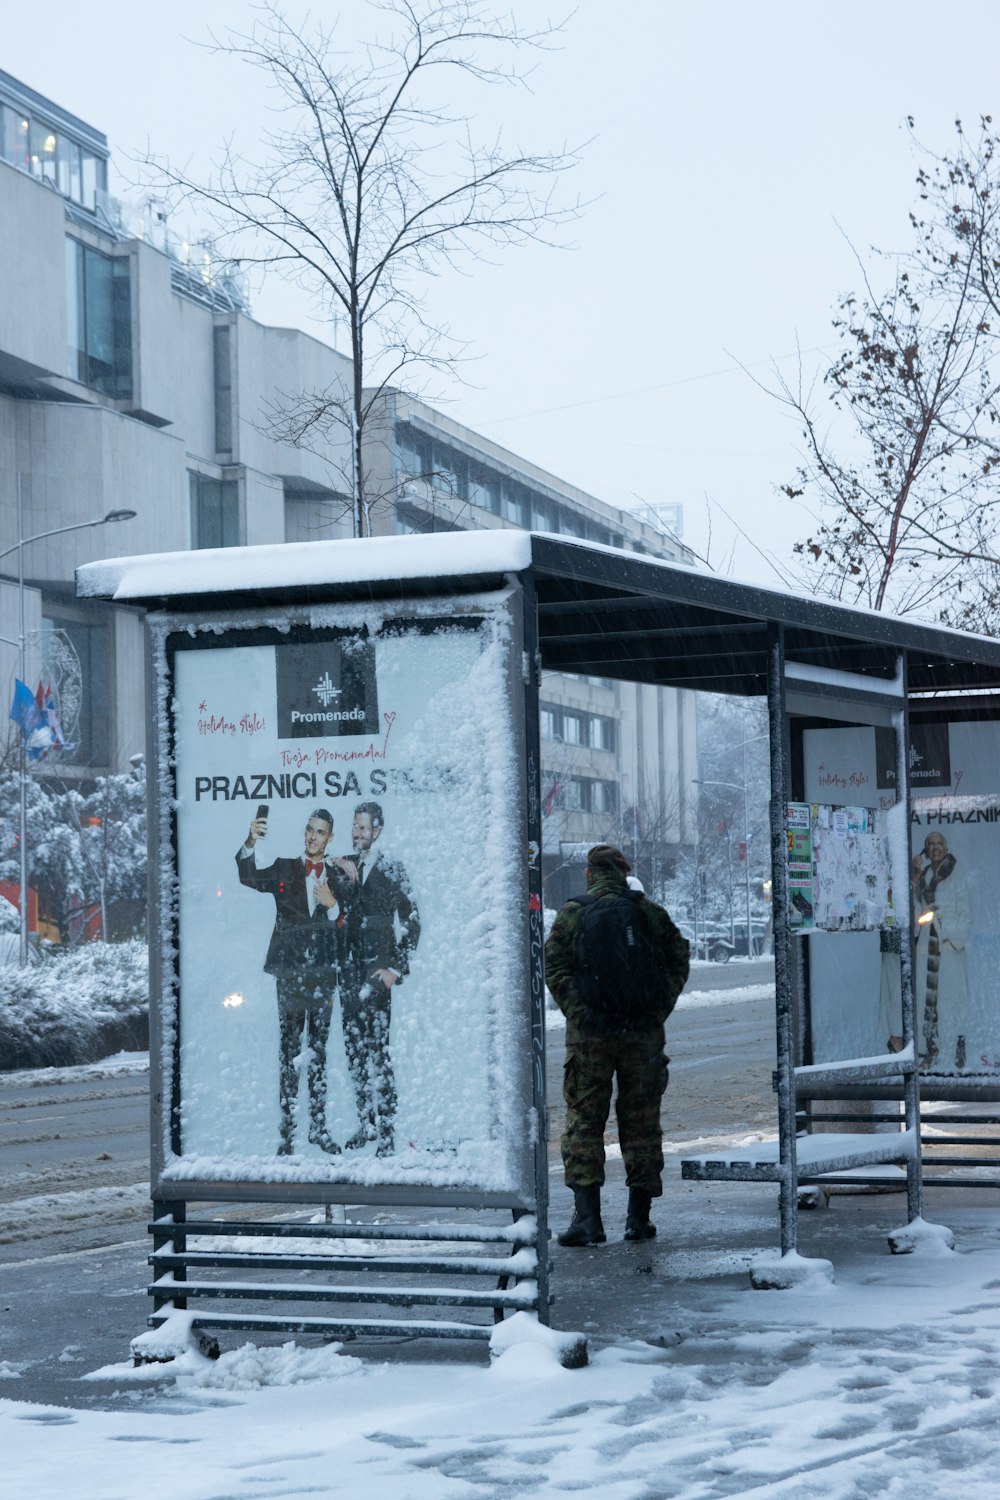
{"x": 371, "y": 187}
{"x": 899, "y": 460}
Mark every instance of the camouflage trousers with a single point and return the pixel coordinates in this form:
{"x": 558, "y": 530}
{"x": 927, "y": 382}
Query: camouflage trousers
{"x": 639, "y": 1066}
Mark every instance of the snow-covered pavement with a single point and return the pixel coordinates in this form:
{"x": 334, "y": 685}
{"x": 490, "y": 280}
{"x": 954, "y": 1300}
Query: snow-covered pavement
{"x": 885, "y": 1383}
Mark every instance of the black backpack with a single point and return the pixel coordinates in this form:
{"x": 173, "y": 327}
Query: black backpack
{"x": 618, "y": 977}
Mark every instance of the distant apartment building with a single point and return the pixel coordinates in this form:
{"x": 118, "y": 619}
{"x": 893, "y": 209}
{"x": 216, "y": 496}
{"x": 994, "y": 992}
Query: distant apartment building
{"x": 132, "y": 376}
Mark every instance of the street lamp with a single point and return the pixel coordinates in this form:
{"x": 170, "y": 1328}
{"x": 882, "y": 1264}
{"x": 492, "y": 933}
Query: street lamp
{"x": 734, "y": 786}
{"x": 18, "y": 547}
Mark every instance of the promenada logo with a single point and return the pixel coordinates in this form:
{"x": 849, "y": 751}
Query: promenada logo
{"x": 326, "y": 688}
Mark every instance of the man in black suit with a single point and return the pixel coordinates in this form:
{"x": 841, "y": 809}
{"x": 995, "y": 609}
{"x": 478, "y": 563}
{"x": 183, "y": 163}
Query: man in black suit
{"x": 306, "y": 957}
{"x": 383, "y": 929}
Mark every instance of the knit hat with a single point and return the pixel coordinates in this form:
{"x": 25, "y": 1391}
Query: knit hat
{"x": 607, "y": 857}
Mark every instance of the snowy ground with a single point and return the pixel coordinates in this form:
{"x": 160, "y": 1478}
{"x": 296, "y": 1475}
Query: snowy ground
{"x": 886, "y": 1383}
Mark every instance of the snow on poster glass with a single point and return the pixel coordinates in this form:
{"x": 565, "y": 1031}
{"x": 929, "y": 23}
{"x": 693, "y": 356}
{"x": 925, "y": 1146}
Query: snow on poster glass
{"x": 951, "y": 901}
{"x": 350, "y": 992}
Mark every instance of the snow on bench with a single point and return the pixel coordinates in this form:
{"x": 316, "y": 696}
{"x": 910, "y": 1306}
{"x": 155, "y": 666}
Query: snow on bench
{"x": 815, "y": 1154}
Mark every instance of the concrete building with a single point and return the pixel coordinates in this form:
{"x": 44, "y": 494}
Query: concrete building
{"x": 132, "y": 375}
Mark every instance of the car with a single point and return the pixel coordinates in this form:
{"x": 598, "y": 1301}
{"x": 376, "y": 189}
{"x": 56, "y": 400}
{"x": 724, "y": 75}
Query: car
{"x": 759, "y": 936}
{"x": 713, "y": 943}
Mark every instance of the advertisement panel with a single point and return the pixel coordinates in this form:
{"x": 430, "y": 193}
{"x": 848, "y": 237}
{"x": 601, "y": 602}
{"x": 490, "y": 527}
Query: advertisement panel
{"x": 344, "y": 994}
{"x": 952, "y": 903}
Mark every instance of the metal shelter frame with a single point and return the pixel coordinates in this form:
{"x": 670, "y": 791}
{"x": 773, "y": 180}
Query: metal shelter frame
{"x": 594, "y": 610}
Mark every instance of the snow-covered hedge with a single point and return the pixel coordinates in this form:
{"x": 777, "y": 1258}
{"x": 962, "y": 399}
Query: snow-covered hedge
{"x": 76, "y": 1006}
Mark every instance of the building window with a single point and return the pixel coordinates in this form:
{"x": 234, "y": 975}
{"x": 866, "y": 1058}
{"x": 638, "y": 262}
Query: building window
{"x": 215, "y": 511}
{"x": 223, "y": 378}
{"x": 450, "y": 472}
{"x": 99, "y": 320}
{"x": 603, "y": 797}
{"x": 603, "y": 733}
{"x": 516, "y": 507}
{"x": 571, "y": 795}
{"x": 16, "y": 129}
{"x": 414, "y": 453}
{"x": 484, "y": 490}
{"x": 573, "y": 729}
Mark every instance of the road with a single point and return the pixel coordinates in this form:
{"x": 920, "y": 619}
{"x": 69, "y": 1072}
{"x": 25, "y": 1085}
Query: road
{"x": 74, "y": 1143}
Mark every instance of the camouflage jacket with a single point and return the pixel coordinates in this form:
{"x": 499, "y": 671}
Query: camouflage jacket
{"x": 561, "y": 959}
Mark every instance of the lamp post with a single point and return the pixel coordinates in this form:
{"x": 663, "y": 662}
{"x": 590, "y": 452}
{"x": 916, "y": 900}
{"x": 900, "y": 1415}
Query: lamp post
{"x": 21, "y": 644}
{"x": 738, "y": 787}
{"x": 735, "y": 786}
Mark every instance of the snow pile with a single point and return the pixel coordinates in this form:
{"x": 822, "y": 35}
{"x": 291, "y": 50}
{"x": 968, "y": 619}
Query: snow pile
{"x": 777, "y": 1272}
{"x": 66, "y": 1009}
{"x": 251, "y": 1369}
{"x": 921, "y": 1238}
{"x": 525, "y": 1347}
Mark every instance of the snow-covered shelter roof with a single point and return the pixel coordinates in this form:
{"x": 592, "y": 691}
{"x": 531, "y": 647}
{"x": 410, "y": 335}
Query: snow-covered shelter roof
{"x": 601, "y": 611}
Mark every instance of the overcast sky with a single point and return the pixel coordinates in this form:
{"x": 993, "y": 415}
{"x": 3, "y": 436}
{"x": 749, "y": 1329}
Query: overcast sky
{"x": 736, "y": 149}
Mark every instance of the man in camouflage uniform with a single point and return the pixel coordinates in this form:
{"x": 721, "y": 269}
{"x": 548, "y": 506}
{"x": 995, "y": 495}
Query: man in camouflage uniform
{"x": 594, "y": 1059}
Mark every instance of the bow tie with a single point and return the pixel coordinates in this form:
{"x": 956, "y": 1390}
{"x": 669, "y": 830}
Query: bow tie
{"x": 315, "y": 870}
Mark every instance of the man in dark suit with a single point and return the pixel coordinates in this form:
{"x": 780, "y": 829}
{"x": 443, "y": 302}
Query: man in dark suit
{"x": 383, "y": 929}
{"x": 306, "y": 957}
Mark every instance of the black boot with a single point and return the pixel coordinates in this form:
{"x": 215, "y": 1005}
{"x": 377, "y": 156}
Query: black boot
{"x": 586, "y": 1228}
{"x": 637, "y": 1221}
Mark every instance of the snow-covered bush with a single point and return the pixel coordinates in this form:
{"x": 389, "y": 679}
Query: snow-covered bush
{"x": 79, "y": 1005}
{"x": 86, "y": 852}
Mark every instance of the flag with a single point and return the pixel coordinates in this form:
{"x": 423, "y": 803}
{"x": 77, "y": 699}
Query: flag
{"x": 46, "y": 701}
{"x": 548, "y": 801}
{"x": 36, "y": 733}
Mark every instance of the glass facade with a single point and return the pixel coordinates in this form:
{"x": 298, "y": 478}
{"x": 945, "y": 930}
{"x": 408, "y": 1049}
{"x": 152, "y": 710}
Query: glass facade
{"x": 449, "y": 471}
{"x": 215, "y": 511}
{"x": 52, "y": 156}
{"x": 99, "y": 320}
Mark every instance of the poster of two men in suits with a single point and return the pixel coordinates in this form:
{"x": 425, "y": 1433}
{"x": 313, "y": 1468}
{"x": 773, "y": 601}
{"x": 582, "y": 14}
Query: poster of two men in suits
{"x": 348, "y": 832}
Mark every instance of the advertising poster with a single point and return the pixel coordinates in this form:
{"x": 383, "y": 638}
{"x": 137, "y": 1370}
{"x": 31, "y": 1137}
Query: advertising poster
{"x": 348, "y": 986}
{"x": 952, "y": 904}
{"x": 955, "y": 898}
{"x": 801, "y": 895}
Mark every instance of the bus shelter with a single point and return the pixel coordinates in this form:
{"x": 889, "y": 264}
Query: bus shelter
{"x": 392, "y": 683}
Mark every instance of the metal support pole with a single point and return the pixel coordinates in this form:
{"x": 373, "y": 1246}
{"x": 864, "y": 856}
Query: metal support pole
{"x": 23, "y": 755}
{"x": 782, "y": 941}
{"x": 911, "y": 1080}
{"x": 531, "y": 669}
{"x": 746, "y": 849}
